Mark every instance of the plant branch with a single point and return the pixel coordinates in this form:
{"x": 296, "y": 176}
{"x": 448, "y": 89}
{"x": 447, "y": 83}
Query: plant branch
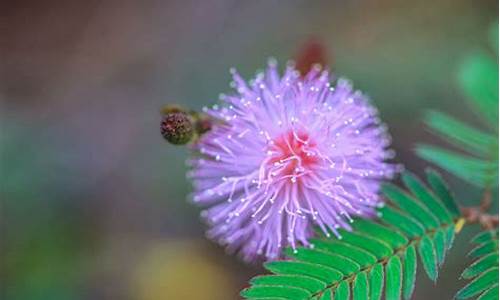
{"x": 479, "y": 214}
{"x": 476, "y": 215}
{"x": 485, "y": 203}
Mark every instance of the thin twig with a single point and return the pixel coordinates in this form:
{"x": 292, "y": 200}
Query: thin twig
{"x": 476, "y": 215}
{"x": 485, "y": 203}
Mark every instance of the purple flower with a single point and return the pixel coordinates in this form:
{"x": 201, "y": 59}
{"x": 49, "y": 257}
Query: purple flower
{"x": 285, "y": 154}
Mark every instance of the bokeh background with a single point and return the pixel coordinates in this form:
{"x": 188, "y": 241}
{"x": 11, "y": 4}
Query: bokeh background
{"x": 93, "y": 201}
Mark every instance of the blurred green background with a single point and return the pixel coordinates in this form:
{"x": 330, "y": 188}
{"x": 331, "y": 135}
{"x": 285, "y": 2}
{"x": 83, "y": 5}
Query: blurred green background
{"x": 93, "y": 201}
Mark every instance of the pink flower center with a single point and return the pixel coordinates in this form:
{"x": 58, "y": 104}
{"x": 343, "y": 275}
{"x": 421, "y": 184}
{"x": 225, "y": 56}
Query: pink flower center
{"x": 293, "y": 154}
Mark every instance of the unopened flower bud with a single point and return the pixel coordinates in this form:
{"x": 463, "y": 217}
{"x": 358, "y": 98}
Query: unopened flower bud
{"x": 313, "y": 53}
{"x": 177, "y": 127}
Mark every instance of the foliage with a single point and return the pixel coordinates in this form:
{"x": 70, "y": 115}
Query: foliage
{"x": 376, "y": 256}
{"x": 477, "y": 163}
{"x": 478, "y": 78}
{"x": 484, "y": 271}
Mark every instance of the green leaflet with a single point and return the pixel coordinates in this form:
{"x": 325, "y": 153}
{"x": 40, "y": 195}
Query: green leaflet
{"x": 412, "y": 207}
{"x": 478, "y": 77}
{"x": 391, "y": 237}
{"x": 440, "y": 245}
{"x": 327, "y": 295}
{"x": 483, "y": 249}
{"x": 376, "y": 281}
{"x": 358, "y": 255}
{"x": 462, "y": 135}
{"x": 479, "y": 284}
{"x": 474, "y": 170}
{"x": 393, "y": 278}
{"x": 286, "y": 292}
{"x": 484, "y": 271}
{"x": 449, "y": 236}
{"x": 376, "y": 247}
{"x": 304, "y": 282}
{"x": 342, "y": 264}
{"x": 428, "y": 198}
{"x": 409, "y": 272}
{"x": 322, "y": 273}
{"x": 484, "y": 236}
{"x": 375, "y": 251}
{"x": 489, "y": 294}
{"x": 360, "y": 286}
{"x": 480, "y": 265}
{"x": 442, "y": 190}
{"x": 342, "y": 292}
{"x": 428, "y": 255}
{"x": 400, "y": 221}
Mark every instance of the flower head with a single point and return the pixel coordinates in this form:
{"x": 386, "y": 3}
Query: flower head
{"x": 286, "y": 153}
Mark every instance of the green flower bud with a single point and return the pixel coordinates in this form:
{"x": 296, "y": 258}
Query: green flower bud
{"x": 177, "y": 127}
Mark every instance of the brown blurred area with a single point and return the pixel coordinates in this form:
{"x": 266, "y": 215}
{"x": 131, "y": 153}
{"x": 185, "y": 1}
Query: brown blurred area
{"x": 94, "y": 201}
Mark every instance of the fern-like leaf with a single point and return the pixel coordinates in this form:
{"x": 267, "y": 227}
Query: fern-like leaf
{"x": 477, "y": 161}
{"x": 478, "y": 171}
{"x": 483, "y": 272}
{"x": 377, "y": 257}
{"x": 478, "y": 77}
